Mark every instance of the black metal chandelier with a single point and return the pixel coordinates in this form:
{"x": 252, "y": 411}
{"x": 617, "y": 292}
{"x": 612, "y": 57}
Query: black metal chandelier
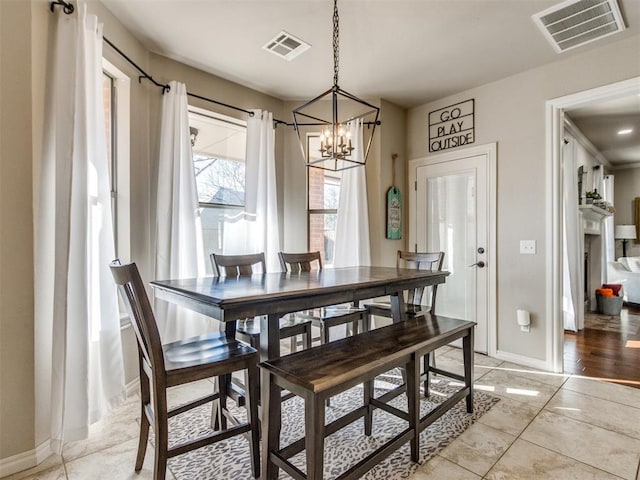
{"x": 336, "y": 150}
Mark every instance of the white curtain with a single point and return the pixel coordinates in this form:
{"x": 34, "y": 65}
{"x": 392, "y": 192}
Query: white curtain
{"x": 352, "y": 247}
{"x": 79, "y": 371}
{"x": 179, "y": 250}
{"x": 572, "y": 265}
{"x": 256, "y": 229}
{"x": 608, "y": 242}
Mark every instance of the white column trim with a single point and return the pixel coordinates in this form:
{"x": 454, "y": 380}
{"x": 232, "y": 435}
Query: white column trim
{"x": 554, "y": 111}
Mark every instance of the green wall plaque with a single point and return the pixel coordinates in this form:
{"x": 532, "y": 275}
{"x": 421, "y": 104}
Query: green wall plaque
{"x": 394, "y": 214}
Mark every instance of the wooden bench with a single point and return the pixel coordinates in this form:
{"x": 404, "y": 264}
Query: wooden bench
{"x": 326, "y": 370}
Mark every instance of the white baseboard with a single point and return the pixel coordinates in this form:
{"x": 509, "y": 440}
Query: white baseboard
{"x": 22, "y": 461}
{"x": 522, "y": 360}
{"x": 132, "y": 387}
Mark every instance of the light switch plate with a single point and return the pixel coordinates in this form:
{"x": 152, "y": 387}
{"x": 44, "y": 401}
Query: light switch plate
{"x": 528, "y": 247}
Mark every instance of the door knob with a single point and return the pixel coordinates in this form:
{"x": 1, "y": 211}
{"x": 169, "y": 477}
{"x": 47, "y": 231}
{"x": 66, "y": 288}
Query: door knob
{"x": 479, "y": 264}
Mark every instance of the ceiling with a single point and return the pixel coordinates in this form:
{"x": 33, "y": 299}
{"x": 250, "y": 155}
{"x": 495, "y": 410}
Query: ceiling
{"x": 601, "y": 122}
{"x": 408, "y": 52}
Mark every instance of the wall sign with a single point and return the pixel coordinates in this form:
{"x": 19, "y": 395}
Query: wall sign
{"x": 452, "y": 126}
{"x": 394, "y": 205}
{"x": 394, "y": 214}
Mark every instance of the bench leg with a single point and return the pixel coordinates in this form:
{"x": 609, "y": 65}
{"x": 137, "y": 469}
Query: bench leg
{"x": 368, "y": 417}
{"x": 467, "y": 347}
{"x": 314, "y": 435}
{"x": 413, "y": 401}
{"x": 271, "y": 416}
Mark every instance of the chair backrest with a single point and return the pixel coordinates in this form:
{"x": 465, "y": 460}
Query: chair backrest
{"x": 421, "y": 261}
{"x": 237, "y": 265}
{"x": 299, "y": 262}
{"x": 134, "y": 295}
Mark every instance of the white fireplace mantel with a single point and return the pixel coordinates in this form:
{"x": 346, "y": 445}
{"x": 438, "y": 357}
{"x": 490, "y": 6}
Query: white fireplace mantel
{"x": 592, "y": 217}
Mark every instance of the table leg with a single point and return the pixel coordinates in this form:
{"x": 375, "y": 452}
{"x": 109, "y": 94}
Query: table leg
{"x": 368, "y": 389}
{"x": 398, "y": 308}
{"x": 467, "y": 347}
{"x": 399, "y": 314}
{"x": 270, "y": 394}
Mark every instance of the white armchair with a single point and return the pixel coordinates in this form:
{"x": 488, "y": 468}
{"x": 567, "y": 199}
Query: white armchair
{"x": 626, "y": 271}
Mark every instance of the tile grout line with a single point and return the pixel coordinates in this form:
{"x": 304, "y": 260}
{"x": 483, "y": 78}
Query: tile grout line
{"x": 558, "y": 453}
{"x": 517, "y": 437}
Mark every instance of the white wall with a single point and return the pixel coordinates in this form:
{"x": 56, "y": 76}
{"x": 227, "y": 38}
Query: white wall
{"x": 511, "y": 112}
{"x": 16, "y": 217}
{"x": 626, "y": 190}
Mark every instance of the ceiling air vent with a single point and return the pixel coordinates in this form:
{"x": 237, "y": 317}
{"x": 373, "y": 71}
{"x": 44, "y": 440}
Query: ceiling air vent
{"x": 575, "y": 23}
{"x": 286, "y": 46}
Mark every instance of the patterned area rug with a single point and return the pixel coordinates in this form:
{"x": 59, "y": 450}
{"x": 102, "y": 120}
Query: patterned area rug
{"x": 229, "y": 460}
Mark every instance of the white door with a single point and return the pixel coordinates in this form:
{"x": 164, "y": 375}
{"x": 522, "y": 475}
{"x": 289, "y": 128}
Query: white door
{"x": 452, "y": 215}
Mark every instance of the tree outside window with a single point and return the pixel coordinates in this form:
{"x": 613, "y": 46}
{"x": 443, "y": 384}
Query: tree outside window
{"x": 219, "y": 149}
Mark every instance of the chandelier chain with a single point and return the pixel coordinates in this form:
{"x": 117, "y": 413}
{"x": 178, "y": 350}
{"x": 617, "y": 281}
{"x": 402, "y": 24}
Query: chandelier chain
{"x": 336, "y": 40}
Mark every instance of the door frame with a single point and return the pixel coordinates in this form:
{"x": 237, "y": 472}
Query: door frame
{"x": 554, "y": 128}
{"x": 490, "y": 150}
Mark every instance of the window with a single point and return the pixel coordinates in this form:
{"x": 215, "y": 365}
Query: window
{"x": 219, "y": 149}
{"x": 323, "y": 196}
{"x": 108, "y": 93}
{"x": 116, "y": 95}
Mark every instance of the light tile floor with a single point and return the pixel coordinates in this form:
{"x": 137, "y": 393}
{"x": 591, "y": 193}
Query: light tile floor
{"x": 546, "y": 426}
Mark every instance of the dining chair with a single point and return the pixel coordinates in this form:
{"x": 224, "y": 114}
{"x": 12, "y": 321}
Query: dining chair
{"x": 211, "y": 355}
{"x": 326, "y": 317}
{"x": 413, "y": 304}
{"x": 248, "y": 330}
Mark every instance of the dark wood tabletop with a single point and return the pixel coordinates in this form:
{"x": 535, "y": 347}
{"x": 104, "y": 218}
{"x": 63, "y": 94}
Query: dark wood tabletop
{"x": 233, "y": 298}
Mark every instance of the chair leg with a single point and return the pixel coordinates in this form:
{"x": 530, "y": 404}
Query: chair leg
{"x": 306, "y": 339}
{"x": 324, "y": 333}
{"x": 161, "y": 430}
{"x": 324, "y": 338}
{"x": 427, "y": 374}
{"x": 252, "y": 379}
{"x": 145, "y": 399}
{"x": 142, "y": 441}
{"x": 223, "y": 388}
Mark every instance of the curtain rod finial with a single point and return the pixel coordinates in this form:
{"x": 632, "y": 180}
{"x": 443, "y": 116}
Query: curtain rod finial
{"x": 67, "y": 7}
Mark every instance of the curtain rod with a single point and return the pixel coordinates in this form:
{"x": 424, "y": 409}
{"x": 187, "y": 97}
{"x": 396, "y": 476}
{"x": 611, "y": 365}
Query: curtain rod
{"x": 68, "y": 8}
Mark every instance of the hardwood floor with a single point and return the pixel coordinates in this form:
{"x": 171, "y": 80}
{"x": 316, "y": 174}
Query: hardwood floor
{"x": 608, "y": 348}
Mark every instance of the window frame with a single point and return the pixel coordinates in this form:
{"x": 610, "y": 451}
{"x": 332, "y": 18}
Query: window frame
{"x": 226, "y": 119}
{"x": 119, "y": 164}
{"x": 315, "y": 211}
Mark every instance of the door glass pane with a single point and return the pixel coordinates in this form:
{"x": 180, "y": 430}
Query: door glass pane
{"x": 451, "y": 227}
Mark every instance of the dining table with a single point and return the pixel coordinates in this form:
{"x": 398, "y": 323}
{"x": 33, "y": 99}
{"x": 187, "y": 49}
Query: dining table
{"x": 270, "y": 296}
